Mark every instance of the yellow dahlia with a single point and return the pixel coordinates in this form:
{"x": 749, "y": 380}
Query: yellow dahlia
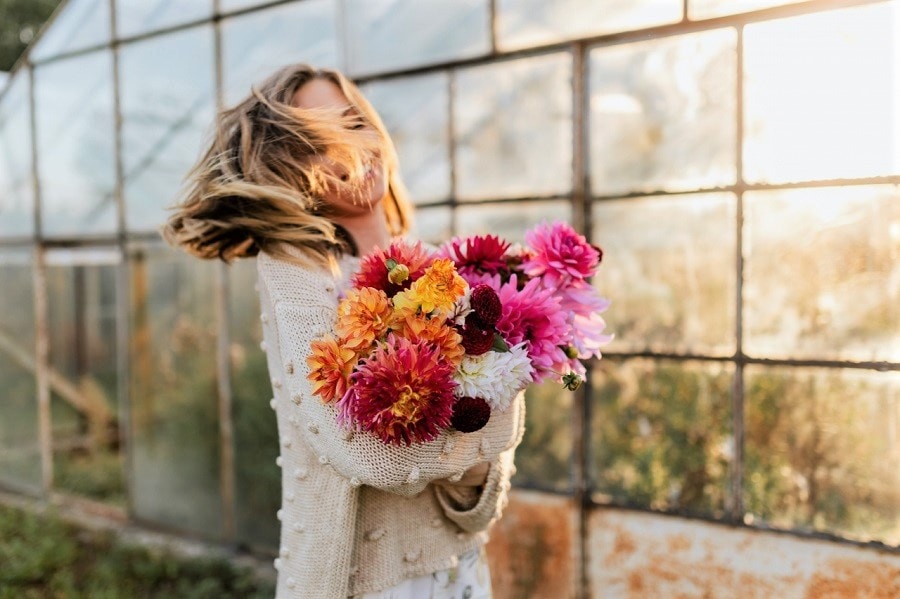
{"x": 418, "y": 327}
{"x": 437, "y": 289}
{"x": 330, "y": 365}
{"x": 363, "y": 316}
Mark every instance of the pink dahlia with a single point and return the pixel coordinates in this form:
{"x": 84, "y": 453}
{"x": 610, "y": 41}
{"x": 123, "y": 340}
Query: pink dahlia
{"x": 583, "y": 304}
{"x": 375, "y": 267}
{"x": 476, "y": 255}
{"x": 402, "y": 392}
{"x": 560, "y": 255}
{"x": 533, "y": 315}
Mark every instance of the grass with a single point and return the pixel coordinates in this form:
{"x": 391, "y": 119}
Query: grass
{"x": 42, "y": 556}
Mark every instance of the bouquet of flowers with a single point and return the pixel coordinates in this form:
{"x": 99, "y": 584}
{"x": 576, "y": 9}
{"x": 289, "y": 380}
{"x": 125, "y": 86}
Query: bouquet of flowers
{"x": 431, "y": 340}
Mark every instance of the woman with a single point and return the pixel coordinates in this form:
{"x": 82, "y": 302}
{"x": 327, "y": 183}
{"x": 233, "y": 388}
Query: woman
{"x": 303, "y": 175}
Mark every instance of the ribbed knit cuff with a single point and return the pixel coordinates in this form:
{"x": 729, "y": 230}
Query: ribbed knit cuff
{"x": 472, "y": 510}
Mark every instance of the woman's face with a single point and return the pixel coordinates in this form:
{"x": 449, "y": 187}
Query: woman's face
{"x": 322, "y": 93}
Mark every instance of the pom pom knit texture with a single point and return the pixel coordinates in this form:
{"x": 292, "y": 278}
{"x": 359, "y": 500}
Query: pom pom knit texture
{"x": 358, "y": 515}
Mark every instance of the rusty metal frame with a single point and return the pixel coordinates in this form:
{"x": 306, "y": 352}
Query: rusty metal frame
{"x": 453, "y": 202}
{"x": 123, "y": 288}
{"x": 581, "y": 221}
{"x": 42, "y": 337}
{"x": 222, "y": 296}
{"x": 736, "y": 468}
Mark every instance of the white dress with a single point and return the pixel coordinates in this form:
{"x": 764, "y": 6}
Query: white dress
{"x": 470, "y": 579}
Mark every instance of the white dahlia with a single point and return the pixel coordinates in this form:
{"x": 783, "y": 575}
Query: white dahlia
{"x": 496, "y": 377}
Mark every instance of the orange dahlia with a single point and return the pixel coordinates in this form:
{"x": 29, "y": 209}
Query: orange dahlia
{"x": 330, "y": 364}
{"x": 418, "y": 327}
{"x": 363, "y": 316}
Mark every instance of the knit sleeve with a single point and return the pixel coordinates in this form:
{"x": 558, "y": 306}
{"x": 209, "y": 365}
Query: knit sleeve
{"x": 475, "y": 510}
{"x": 306, "y": 312}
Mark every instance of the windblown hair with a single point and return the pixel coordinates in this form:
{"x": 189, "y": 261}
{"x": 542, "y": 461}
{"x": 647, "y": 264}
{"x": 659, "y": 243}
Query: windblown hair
{"x": 259, "y": 184}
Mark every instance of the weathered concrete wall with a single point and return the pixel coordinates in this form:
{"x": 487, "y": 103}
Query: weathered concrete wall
{"x": 534, "y": 553}
{"x": 635, "y": 555}
{"x": 534, "y": 548}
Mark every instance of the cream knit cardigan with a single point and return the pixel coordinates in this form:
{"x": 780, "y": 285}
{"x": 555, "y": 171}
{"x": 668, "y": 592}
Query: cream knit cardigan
{"x": 358, "y": 515}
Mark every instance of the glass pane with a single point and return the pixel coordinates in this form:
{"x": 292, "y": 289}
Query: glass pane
{"x": 20, "y": 455}
{"x": 415, "y": 111}
{"x": 433, "y": 31}
{"x": 168, "y": 101}
{"x": 258, "y": 479}
{"x": 81, "y": 293}
{"x": 669, "y": 268}
{"x": 509, "y": 220}
{"x": 433, "y": 225}
{"x": 138, "y": 16}
{"x": 704, "y": 9}
{"x": 175, "y": 421}
{"x": 544, "y": 459}
{"x": 523, "y": 23}
{"x": 662, "y": 436}
{"x": 75, "y": 142}
{"x": 229, "y": 5}
{"x": 821, "y": 269}
{"x": 255, "y": 44}
{"x": 513, "y": 127}
{"x": 75, "y": 25}
{"x": 822, "y": 451}
{"x": 663, "y": 114}
{"x": 16, "y": 187}
{"x": 821, "y": 96}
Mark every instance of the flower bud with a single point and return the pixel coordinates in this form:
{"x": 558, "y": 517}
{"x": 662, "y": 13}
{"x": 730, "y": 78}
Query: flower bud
{"x": 398, "y": 274}
{"x": 571, "y": 381}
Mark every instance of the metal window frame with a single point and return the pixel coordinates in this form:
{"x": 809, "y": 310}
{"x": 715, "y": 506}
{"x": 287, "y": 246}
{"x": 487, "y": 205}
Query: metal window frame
{"x": 581, "y": 200}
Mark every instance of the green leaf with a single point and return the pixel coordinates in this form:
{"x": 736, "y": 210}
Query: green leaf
{"x": 499, "y": 344}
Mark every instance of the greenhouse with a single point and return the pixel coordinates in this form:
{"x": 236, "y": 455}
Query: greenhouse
{"x": 738, "y": 161}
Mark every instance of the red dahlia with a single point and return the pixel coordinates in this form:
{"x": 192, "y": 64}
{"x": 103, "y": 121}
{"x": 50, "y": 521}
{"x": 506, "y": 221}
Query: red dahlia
{"x": 476, "y": 254}
{"x": 374, "y": 271}
{"x": 402, "y": 392}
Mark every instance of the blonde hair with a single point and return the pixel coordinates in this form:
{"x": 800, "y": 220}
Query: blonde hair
{"x": 258, "y": 184}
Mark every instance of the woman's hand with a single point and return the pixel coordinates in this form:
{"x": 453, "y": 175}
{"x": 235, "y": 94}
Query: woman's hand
{"x": 475, "y": 476}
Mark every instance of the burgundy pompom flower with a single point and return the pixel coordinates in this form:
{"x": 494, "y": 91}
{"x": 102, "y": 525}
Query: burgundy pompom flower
{"x": 477, "y": 338}
{"x": 486, "y": 304}
{"x": 470, "y": 414}
{"x": 403, "y": 392}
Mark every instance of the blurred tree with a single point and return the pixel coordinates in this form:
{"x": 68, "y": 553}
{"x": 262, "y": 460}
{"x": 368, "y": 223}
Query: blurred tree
{"x": 20, "y": 21}
{"x": 662, "y": 433}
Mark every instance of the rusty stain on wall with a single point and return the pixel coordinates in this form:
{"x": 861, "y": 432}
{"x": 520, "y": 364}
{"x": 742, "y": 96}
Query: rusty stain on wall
{"x": 853, "y": 579}
{"x": 533, "y": 548}
{"x": 634, "y": 555}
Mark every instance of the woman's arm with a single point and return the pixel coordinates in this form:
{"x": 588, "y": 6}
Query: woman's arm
{"x": 475, "y": 508}
{"x": 303, "y": 310}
